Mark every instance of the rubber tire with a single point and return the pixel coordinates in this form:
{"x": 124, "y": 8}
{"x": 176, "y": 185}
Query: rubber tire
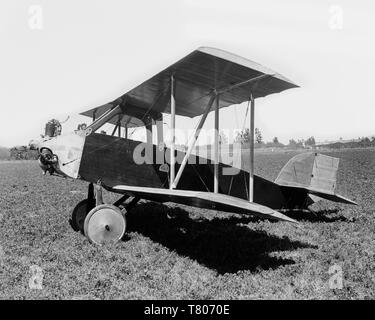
{"x": 79, "y": 214}
{"x": 106, "y": 209}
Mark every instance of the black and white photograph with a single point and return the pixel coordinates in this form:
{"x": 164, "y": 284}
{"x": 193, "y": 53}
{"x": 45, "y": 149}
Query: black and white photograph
{"x": 187, "y": 151}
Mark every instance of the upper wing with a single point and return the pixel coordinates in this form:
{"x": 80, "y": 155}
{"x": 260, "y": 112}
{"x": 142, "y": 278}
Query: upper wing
{"x": 197, "y": 75}
{"x": 206, "y": 200}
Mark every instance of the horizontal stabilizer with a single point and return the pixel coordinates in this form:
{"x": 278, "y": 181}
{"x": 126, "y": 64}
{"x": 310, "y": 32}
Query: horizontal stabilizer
{"x": 207, "y": 200}
{"x": 316, "y": 196}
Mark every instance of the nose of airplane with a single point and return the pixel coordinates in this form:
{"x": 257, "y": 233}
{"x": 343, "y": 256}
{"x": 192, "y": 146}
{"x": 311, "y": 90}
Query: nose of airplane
{"x": 47, "y": 160}
{"x": 62, "y": 154}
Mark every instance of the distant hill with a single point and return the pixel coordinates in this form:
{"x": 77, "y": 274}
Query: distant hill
{"x": 4, "y": 153}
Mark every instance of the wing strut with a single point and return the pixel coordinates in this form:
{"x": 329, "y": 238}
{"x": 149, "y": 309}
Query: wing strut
{"x": 251, "y": 171}
{"x": 120, "y": 116}
{"x": 173, "y": 127}
{"x": 214, "y": 96}
{"x": 193, "y": 140}
{"x": 216, "y": 146}
{"x": 104, "y": 118}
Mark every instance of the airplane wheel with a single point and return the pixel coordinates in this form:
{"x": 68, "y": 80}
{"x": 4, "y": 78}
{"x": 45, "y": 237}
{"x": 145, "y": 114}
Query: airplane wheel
{"x": 78, "y": 215}
{"x": 105, "y": 224}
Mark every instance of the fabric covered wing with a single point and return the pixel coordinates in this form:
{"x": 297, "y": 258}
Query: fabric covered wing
{"x": 197, "y": 75}
{"x": 206, "y": 200}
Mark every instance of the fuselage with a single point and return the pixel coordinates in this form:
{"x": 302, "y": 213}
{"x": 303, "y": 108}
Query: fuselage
{"x": 119, "y": 161}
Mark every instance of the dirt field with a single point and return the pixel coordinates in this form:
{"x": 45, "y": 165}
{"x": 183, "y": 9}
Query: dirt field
{"x": 175, "y": 252}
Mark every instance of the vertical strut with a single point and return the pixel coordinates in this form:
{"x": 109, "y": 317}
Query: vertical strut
{"x": 173, "y": 126}
{"x": 119, "y": 125}
{"x": 216, "y": 146}
{"x": 251, "y": 171}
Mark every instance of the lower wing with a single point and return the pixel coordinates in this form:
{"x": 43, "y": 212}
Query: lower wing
{"x": 208, "y": 200}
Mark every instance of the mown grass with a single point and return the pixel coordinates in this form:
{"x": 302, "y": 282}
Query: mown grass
{"x": 177, "y": 252}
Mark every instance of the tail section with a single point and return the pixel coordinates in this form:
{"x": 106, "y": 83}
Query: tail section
{"x": 313, "y": 172}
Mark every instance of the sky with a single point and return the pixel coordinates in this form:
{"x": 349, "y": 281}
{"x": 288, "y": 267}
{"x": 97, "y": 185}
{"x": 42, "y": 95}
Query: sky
{"x": 63, "y": 57}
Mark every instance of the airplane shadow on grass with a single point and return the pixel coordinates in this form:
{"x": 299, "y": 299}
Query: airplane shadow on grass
{"x": 326, "y": 215}
{"x": 220, "y": 244}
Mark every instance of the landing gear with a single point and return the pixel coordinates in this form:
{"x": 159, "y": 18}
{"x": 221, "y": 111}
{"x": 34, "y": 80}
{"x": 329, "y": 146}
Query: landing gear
{"x": 82, "y": 209}
{"x": 79, "y": 214}
{"x": 101, "y": 223}
{"x": 105, "y": 224}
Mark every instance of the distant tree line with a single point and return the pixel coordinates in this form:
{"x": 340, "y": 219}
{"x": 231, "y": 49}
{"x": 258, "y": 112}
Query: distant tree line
{"x": 301, "y": 143}
{"x": 244, "y": 138}
{"x": 364, "y": 142}
{"x": 23, "y": 153}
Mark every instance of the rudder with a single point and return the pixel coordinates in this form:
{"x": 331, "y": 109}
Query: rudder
{"x": 312, "y": 171}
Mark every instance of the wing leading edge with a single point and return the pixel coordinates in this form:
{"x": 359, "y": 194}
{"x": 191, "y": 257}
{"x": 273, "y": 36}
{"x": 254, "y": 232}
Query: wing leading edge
{"x": 208, "y": 200}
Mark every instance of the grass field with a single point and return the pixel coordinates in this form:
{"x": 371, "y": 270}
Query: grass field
{"x": 176, "y": 252}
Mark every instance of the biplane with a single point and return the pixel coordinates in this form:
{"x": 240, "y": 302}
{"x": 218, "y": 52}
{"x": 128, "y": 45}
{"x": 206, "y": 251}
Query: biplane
{"x": 206, "y": 80}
